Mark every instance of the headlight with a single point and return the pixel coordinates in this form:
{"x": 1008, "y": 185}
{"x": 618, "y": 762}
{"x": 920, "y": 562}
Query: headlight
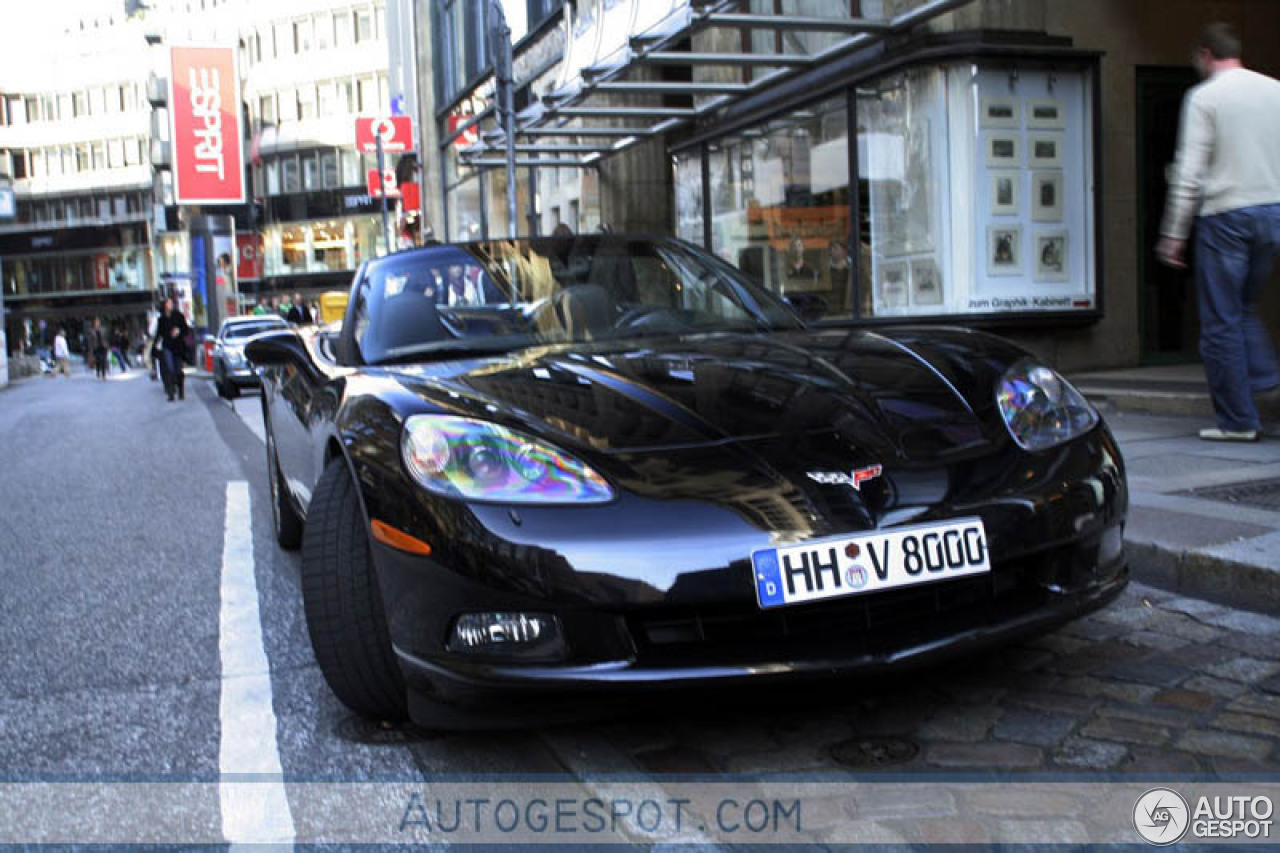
{"x": 1041, "y": 409}
{"x": 235, "y": 357}
{"x": 477, "y": 460}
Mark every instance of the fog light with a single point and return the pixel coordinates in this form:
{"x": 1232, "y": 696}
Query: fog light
{"x": 525, "y": 635}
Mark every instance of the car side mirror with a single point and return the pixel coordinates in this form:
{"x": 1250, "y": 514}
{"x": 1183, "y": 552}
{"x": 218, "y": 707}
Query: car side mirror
{"x": 282, "y": 346}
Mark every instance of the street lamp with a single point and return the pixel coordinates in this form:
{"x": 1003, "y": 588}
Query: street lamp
{"x": 500, "y": 49}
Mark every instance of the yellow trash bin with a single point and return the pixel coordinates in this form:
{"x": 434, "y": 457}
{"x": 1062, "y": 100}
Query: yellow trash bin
{"x": 333, "y": 306}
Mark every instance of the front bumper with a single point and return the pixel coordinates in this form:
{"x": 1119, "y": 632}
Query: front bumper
{"x": 659, "y": 594}
{"x": 242, "y": 377}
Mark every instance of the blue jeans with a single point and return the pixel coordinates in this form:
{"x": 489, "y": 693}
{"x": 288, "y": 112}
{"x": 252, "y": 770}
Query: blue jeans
{"x": 1235, "y": 254}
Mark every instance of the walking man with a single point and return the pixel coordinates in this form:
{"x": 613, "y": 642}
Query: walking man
{"x": 1227, "y": 178}
{"x": 171, "y": 333}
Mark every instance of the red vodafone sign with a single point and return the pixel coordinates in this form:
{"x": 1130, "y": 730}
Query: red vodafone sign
{"x": 249, "y": 263}
{"x": 388, "y": 180}
{"x": 396, "y": 133}
{"x": 207, "y": 139}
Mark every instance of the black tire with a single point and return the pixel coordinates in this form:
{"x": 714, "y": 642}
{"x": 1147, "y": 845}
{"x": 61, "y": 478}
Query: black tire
{"x": 285, "y": 521}
{"x": 343, "y": 602}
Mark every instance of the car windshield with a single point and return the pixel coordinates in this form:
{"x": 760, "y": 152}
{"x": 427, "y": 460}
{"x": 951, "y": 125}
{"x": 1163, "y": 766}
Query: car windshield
{"x": 248, "y": 330}
{"x": 498, "y": 296}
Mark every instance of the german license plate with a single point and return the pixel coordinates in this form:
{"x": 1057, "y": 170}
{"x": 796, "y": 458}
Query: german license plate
{"x": 870, "y": 562}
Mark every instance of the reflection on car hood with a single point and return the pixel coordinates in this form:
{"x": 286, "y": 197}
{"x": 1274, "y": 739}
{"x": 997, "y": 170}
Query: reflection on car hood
{"x": 910, "y": 394}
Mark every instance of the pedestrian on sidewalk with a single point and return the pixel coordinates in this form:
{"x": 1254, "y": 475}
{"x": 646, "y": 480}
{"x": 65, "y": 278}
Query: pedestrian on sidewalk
{"x": 61, "y": 354}
{"x": 1227, "y": 179}
{"x": 98, "y": 343}
{"x": 171, "y": 335}
{"x": 120, "y": 349}
{"x": 299, "y": 314}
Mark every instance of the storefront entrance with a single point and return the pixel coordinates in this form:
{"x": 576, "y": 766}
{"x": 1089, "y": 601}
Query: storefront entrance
{"x": 1169, "y": 322}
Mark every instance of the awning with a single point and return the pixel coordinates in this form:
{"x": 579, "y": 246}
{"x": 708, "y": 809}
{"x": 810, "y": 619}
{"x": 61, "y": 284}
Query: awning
{"x": 613, "y": 40}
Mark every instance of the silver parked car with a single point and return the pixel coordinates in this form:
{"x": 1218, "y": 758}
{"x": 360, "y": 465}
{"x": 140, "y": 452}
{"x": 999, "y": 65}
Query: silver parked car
{"x": 231, "y": 371}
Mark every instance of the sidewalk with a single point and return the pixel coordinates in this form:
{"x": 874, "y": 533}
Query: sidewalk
{"x": 1204, "y": 517}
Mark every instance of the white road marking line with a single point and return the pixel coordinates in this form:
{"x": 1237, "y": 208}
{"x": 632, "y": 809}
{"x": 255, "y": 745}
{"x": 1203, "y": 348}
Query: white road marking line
{"x": 258, "y": 810}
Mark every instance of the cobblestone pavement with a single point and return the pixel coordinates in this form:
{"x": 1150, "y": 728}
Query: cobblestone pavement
{"x": 1154, "y": 683}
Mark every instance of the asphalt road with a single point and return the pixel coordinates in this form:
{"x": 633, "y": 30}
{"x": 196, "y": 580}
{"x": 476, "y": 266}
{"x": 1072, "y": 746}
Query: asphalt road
{"x": 114, "y": 538}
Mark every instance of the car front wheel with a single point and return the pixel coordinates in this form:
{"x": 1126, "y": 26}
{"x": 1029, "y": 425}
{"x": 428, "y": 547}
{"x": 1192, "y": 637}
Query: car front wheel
{"x": 343, "y": 603}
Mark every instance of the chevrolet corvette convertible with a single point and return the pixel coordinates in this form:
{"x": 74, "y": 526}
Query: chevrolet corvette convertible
{"x": 529, "y": 475}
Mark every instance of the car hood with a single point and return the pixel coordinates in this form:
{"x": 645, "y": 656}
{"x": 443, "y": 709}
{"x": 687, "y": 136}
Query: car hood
{"x": 910, "y": 394}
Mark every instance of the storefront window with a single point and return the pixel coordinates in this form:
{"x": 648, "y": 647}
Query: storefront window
{"x": 780, "y": 205}
{"x": 688, "y": 192}
{"x": 903, "y": 178}
{"x": 977, "y": 191}
{"x": 293, "y": 249}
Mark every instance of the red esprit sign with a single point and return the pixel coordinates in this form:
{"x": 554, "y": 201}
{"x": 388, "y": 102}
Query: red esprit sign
{"x": 396, "y": 133}
{"x": 388, "y": 178}
{"x": 204, "y": 108}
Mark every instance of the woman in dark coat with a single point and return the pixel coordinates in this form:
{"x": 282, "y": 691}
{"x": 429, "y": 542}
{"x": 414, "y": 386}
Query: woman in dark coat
{"x": 171, "y": 335}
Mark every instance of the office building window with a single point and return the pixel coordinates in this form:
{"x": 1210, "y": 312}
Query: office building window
{"x": 302, "y": 34}
{"x": 64, "y": 107}
{"x": 368, "y": 93}
{"x": 68, "y": 161}
{"x": 267, "y": 109}
{"x": 342, "y": 34}
{"x": 133, "y": 151}
{"x": 310, "y": 172}
{"x": 97, "y": 101}
{"x": 351, "y": 169}
{"x": 307, "y": 101}
{"x": 129, "y": 94}
{"x": 80, "y": 104}
{"x": 380, "y": 22}
{"x": 328, "y": 99}
{"x": 329, "y": 170}
{"x": 82, "y": 158}
{"x": 292, "y": 181}
{"x": 364, "y": 26}
{"x": 324, "y": 31}
{"x": 115, "y": 154}
{"x": 347, "y": 95}
{"x": 99, "y": 151}
{"x": 273, "y": 177}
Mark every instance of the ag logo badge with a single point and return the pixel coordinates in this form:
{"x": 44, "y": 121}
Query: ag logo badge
{"x": 1161, "y": 816}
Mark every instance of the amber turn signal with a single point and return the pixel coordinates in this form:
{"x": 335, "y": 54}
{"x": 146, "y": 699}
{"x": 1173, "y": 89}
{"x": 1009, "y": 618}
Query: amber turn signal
{"x": 388, "y": 535}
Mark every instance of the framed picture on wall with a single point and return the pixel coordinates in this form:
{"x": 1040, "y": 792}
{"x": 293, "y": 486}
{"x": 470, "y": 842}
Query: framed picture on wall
{"x": 1045, "y": 114}
{"x": 1044, "y": 150}
{"x": 1004, "y": 250}
{"x": 926, "y": 283}
{"x": 1001, "y": 112}
{"x": 893, "y": 284}
{"x": 1006, "y": 189}
{"x": 1003, "y": 151}
{"x": 1051, "y": 256}
{"x": 1046, "y": 196}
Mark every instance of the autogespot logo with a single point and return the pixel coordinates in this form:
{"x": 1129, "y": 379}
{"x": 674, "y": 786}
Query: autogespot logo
{"x": 1161, "y": 816}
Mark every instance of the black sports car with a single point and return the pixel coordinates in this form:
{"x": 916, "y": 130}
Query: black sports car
{"x": 526, "y": 470}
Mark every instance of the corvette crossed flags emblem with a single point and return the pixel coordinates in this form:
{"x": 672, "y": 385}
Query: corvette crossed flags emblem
{"x": 854, "y": 479}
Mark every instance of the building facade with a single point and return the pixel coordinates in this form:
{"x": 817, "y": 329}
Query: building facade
{"x": 985, "y": 162}
{"x": 74, "y": 142}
